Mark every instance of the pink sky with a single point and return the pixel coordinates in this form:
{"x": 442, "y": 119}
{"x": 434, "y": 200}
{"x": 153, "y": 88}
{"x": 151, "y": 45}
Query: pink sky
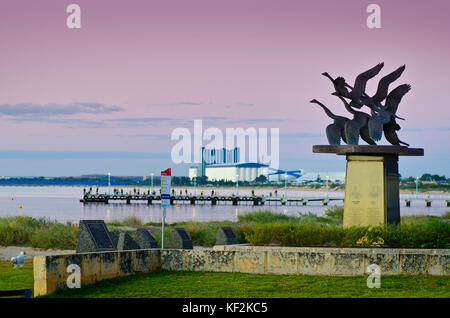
{"x": 233, "y": 63}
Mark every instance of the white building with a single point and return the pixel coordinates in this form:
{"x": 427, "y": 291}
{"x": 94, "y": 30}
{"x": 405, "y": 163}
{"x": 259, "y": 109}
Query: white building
{"x": 231, "y": 171}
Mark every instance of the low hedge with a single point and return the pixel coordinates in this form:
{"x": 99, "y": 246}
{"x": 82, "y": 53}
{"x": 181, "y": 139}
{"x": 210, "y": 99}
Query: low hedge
{"x": 40, "y": 233}
{"x": 428, "y": 234}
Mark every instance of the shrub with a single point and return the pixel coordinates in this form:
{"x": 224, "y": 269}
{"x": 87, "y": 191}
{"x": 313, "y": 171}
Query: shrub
{"x": 42, "y": 233}
{"x": 264, "y": 217}
{"x": 131, "y": 221}
{"x": 336, "y": 213}
{"x": 429, "y": 234}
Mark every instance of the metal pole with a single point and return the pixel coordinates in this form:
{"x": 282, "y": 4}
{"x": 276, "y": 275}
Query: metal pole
{"x": 195, "y": 186}
{"x": 109, "y": 182}
{"x": 327, "y": 186}
{"x": 237, "y": 185}
{"x": 285, "y": 186}
{"x": 151, "y": 189}
{"x": 417, "y": 187}
{"x": 163, "y": 221}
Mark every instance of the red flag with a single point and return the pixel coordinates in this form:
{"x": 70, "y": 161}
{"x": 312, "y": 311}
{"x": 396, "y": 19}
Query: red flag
{"x": 167, "y": 172}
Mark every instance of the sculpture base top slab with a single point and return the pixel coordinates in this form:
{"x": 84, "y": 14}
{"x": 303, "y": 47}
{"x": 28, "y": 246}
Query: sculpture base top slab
{"x": 368, "y": 150}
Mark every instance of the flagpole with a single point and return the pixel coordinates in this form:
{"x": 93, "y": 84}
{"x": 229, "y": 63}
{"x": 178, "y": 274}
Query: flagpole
{"x": 163, "y": 221}
{"x": 165, "y": 198}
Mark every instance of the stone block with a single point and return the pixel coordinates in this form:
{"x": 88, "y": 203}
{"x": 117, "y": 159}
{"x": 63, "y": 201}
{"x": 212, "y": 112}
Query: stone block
{"x": 348, "y": 264}
{"x": 109, "y": 264}
{"x": 125, "y": 262}
{"x": 146, "y": 261}
{"x": 194, "y": 260}
{"x": 413, "y": 264}
{"x": 172, "y": 260}
{"x": 279, "y": 262}
{"x": 314, "y": 263}
{"x": 388, "y": 262}
{"x": 439, "y": 264}
{"x": 90, "y": 267}
{"x": 220, "y": 261}
{"x": 250, "y": 262}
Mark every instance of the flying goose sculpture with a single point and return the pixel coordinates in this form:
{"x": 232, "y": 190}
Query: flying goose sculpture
{"x": 358, "y": 126}
{"x": 359, "y": 88}
{"x": 387, "y": 114}
{"x": 334, "y": 131}
{"x": 382, "y": 89}
{"x": 369, "y": 127}
{"x": 392, "y": 101}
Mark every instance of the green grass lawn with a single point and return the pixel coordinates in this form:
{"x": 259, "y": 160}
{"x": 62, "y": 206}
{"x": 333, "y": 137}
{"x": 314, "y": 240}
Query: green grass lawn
{"x": 16, "y": 278}
{"x": 165, "y": 284}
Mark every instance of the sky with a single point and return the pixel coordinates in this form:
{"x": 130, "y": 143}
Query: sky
{"x": 107, "y": 96}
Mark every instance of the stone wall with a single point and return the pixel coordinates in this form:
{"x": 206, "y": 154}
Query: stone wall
{"x": 50, "y": 271}
{"x": 338, "y": 261}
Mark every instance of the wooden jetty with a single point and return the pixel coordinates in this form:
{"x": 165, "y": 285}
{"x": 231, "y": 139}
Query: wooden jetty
{"x": 213, "y": 200}
{"x": 226, "y": 199}
{"x": 427, "y": 201}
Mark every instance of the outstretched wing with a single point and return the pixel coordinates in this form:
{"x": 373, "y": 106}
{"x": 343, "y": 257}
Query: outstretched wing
{"x": 384, "y": 83}
{"x": 395, "y": 96}
{"x": 361, "y": 80}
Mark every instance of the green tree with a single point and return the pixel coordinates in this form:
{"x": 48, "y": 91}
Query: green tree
{"x": 261, "y": 179}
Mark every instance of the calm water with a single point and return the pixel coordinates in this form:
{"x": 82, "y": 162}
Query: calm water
{"x": 62, "y": 204}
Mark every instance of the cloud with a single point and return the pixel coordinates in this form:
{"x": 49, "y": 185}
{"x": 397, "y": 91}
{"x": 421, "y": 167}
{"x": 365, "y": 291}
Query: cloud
{"x": 185, "y": 103}
{"x": 30, "y": 111}
{"x": 61, "y": 155}
{"x": 252, "y": 121}
{"x": 70, "y": 123}
{"x": 301, "y": 135}
{"x": 426, "y": 129}
{"x": 148, "y": 136}
{"x": 148, "y": 121}
{"x": 244, "y": 104}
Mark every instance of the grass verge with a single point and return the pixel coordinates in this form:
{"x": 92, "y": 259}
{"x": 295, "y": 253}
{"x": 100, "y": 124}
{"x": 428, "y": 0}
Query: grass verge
{"x": 164, "y": 284}
{"x": 16, "y": 278}
{"x": 257, "y": 228}
{"x": 40, "y": 233}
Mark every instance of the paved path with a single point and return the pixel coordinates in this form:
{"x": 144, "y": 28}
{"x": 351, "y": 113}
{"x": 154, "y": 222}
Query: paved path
{"x": 7, "y": 252}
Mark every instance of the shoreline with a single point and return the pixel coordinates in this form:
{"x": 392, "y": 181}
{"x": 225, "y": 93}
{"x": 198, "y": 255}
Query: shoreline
{"x": 245, "y": 187}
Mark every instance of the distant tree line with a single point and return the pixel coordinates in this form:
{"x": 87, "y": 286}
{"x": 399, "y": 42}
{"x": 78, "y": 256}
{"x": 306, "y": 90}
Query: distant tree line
{"x": 428, "y": 177}
{"x": 102, "y": 180}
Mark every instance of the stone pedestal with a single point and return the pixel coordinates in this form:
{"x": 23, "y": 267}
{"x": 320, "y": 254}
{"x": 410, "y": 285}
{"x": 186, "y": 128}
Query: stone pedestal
{"x": 371, "y": 182}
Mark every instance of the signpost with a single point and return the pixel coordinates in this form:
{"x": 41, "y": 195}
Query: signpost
{"x": 166, "y": 176}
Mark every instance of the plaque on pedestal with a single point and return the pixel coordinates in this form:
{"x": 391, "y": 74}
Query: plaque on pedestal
{"x": 144, "y": 239}
{"x": 226, "y": 236}
{"x": 180, "y": 239}
{"x": 93, "y": 236}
